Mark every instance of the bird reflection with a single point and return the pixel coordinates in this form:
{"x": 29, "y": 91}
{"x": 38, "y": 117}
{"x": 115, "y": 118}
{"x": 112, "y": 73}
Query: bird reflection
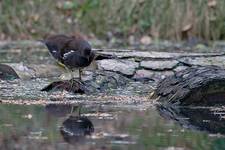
{"x": 75, "y": 128}
{"x": 202, "y": 119}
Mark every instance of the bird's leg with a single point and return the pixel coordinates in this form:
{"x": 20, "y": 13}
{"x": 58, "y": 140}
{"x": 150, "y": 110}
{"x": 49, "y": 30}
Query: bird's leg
{"x": 71, "y": 74}
{"x": 80, "y": 72}
{"x": 78, "y": 111}
{"x": 69, "y": 71}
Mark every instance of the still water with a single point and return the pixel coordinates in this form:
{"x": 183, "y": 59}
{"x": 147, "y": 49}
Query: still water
{"x": 100, "y": 127}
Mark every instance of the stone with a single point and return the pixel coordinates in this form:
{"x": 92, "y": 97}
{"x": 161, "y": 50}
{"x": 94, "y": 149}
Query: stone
{"x": 126, "y": 67}
{"x": 143, "y": 74}
{"x": 180, "y": 68}
{"x": 29, "y": 71}
{"x": 194, "y": 86}
{"x": 153, "y": 54}
{"x": 151, "y": 75}
{"x": 159, "y": 64}
{"x": 204, "y": 61}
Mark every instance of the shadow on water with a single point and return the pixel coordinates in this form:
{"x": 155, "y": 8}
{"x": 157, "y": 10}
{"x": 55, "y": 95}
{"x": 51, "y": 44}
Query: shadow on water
{"x": 97, "y": 127}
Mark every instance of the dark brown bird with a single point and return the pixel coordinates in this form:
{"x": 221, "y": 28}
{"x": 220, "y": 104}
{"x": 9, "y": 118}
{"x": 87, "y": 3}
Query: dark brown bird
{"x": 74, "y": 52}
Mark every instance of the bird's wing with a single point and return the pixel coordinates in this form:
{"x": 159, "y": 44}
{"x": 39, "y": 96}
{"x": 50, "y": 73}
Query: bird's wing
{"x": 74, "y": 59}
{"x": 54, "y": 51}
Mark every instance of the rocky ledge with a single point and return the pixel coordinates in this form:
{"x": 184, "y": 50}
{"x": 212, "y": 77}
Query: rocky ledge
{"x": 182, "y": 77}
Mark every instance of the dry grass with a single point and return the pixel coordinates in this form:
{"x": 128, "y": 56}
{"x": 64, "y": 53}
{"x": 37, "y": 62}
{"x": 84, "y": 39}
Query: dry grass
{"x": 170, "y": 19}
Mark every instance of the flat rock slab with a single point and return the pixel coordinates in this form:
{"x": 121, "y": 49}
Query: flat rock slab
{"x": 196, "y": 86}
{"x": 126, "y": 67}
{"x": 22, "y": 71}
{"x": 155, "y": 55}
{"x": 204, "y": 61}
{"x": 150, "y": 74}
{"x": 159, "y": 64}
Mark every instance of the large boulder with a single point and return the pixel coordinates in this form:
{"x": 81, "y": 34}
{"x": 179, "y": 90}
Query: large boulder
{"x": 196, "y": 86}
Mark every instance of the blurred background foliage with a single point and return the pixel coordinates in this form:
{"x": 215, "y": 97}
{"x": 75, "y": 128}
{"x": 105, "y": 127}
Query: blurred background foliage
{"x": 157, "y": 19}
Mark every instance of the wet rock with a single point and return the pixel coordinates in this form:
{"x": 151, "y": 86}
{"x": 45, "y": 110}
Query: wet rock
{"x": 72, "y": 85}
{"x": 7, "y": 72}
{"x": 197, "y": 86}
{"x": 103, "y": 81}
{"x": 99, "y": 81}
{"x": 126, "y": 67}
{"x": 159, "y": 64}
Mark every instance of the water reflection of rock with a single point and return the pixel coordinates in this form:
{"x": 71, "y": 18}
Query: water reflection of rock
{"x": 75, "y": 129}
{"x": 202, "y": 119}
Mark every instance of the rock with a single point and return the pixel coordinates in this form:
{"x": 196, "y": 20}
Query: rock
{"x": 151, "y": 75}
{"x": 69, "y": 85}
{"x": 25, "y": 71}
{"x": 159, "y": 64}
{"x": 99, "y": 81}
{"x": 21, "y": 44}
{"x": 139, "y": 74}
{"x": 195, "y": 86}
{"x": 7, "y": 72}
{"x": 180, "y": 68}
{"x": 204, "y": 61}
{"x": 153, "y": 54}
{"x": 126, "y": 67}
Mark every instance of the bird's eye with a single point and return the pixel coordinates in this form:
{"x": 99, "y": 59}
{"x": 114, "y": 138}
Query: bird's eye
{"x": 87, "y": 51}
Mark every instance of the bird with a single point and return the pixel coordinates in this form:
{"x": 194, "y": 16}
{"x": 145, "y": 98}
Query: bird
{"x": 73, "y": 52}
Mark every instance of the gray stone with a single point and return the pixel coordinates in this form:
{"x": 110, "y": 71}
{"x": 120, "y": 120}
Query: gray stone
{"x": 204, "y": 61}
{"x": 126, "y": 67}
{"x": 159, "y": 64}
{"x": 180, "y": 68}
{"x": 25, "y": 71}
{"x": 144, "y": 74}
{"x": 153, "y": 54}
{"x": 155, "y": 75}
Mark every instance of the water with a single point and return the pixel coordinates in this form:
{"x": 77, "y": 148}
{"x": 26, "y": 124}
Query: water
{"x": 123, "y": 118}
{"x": 58, "y": 127}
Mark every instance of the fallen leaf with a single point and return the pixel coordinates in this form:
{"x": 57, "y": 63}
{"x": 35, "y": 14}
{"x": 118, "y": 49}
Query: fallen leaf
{"x": 146, "y": 40}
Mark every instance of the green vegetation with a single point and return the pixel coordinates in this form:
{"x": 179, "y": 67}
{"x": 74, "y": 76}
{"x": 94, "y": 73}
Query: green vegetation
{"x": 164, "y": 19}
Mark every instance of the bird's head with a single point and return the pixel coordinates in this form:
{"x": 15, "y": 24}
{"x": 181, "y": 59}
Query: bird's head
{"x": 87, "y": 52}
